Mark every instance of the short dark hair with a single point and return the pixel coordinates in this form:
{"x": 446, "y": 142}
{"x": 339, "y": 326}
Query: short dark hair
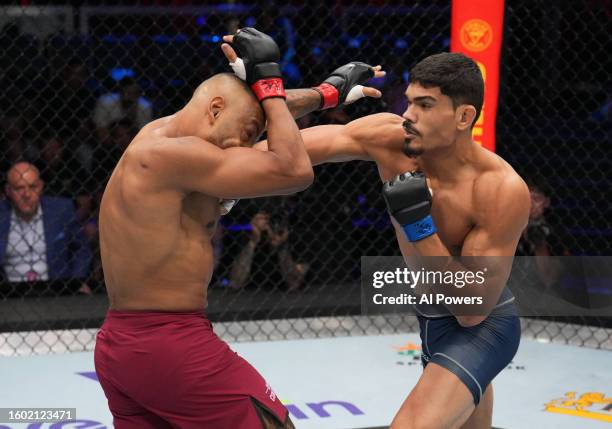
{"x": 458, "y": 77}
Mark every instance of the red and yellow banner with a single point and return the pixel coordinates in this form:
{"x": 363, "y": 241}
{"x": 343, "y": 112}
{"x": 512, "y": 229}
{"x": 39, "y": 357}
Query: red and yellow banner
{"x": 476, "y": 31}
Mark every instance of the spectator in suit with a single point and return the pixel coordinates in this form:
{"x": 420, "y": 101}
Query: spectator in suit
{"x": 40, "y": 239}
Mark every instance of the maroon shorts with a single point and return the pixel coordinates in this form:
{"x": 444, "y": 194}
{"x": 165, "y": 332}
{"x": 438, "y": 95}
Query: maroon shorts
{"x": 170, "y": 370}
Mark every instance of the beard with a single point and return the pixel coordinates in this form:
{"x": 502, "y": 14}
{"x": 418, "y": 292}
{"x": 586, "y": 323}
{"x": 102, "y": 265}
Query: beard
{"x": 410, "y": 151}
{"x": 408, "y": 147}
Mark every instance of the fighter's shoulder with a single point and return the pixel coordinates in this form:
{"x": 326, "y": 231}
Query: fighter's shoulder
{"x": 157, "y": 155}
{"x": 499, "y": 184}
{"x": 153, "y": 140}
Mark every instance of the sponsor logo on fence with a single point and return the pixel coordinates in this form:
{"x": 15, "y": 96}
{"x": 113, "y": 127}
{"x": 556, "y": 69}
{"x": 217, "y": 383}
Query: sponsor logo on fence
{"x": 476, "y": 35}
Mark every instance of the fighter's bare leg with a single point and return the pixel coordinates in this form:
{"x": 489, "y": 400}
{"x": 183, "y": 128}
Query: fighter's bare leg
{"x": 269, "y": 420}
{"x": 440, "y": 400}
{"x": 482, "y": 417}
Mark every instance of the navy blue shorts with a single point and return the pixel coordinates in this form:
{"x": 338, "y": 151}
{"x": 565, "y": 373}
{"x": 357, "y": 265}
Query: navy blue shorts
{"x": 475, "y": 354}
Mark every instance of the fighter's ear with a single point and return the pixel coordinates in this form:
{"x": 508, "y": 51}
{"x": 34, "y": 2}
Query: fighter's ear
{"x": 215, "y": 107}
{"x": 465, "y": 116}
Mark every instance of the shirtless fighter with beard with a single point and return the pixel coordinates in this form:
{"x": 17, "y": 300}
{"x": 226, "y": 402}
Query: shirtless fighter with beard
{"x": 447, "y": 196}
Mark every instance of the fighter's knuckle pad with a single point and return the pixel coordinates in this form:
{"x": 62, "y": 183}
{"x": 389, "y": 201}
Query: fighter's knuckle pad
{"x": 344, "y": 78}
{"x": 260, "y": 55}
{"x": 256, "y": 47}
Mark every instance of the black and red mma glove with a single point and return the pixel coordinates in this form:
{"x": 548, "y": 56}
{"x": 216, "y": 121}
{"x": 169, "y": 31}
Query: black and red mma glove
{"x": 344, "y": 85}
{"x": 258, "y": 63}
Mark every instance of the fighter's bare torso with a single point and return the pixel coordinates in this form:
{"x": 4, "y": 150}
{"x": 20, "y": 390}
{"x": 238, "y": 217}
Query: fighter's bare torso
{"x": 451, "y": 206}
{"x": 457, "y": 204}
{"x": 155, "y": 241}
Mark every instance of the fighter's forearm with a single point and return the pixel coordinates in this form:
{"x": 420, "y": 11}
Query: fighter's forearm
{"x": 302, "y": 101}
{"x": 284, "y": 139}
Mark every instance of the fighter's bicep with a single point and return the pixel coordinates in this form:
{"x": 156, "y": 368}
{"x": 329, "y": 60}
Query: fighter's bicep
{"x": 246, "y": 173}
{"x": 328, "y": 143}
{"x": 336, "y": 145}
{"x": 363, "y": 139}
{"x": 194, "y": 165}
{"x": 381, "y": 131}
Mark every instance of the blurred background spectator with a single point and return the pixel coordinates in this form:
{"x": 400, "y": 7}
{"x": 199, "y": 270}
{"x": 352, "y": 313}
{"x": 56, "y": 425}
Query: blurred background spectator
{"x": 540, "y": 238}
{"x": 125, "y": 105}
{"x": 108, "y": 152}
{"x": 59, "y": 169}
{"x": 66, "y": 102}
{"x": 266, "y": 257}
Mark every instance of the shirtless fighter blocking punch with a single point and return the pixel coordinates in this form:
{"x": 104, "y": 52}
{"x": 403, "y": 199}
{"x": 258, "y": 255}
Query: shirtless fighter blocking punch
{"x": 156, "y": 356}
{"x": 478, "y": 206}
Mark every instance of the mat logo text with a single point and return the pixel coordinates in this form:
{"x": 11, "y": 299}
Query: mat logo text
{"x": 321, "y": 409}
{"x": 408, "y": 354}
{"x": 591, "y": 405}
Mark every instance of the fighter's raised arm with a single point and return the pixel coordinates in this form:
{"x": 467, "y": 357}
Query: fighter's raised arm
{"x": 345, "y": 85}
{"x": 222, "y": 168}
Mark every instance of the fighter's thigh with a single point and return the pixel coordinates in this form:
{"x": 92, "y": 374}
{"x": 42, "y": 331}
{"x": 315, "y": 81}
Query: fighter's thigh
{"x": 127, "y": 413}
{"x": 440, "y": 400}
{"x": 482, "y": 416}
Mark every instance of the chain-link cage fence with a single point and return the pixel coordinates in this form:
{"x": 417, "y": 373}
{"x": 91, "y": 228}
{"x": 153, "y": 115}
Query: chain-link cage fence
{"x": 79, "y": 80}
